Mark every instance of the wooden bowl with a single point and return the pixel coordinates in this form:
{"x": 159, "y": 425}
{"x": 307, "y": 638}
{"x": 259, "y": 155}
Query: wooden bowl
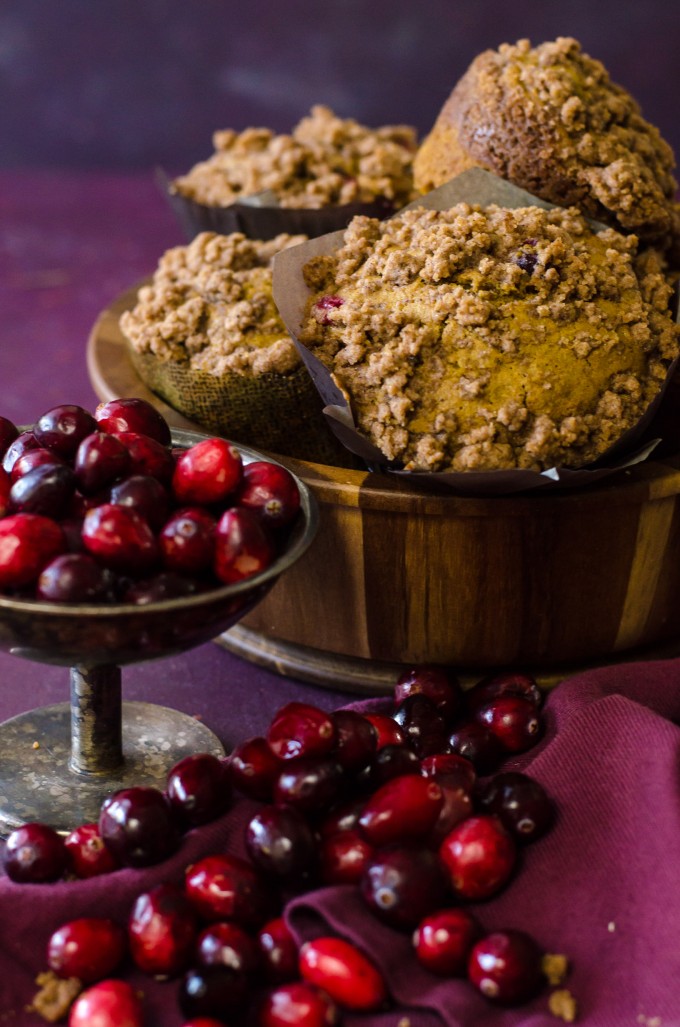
{"x": 397, "y": 576}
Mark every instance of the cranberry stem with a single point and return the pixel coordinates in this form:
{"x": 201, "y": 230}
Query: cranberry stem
{"x": 96, "y": 719}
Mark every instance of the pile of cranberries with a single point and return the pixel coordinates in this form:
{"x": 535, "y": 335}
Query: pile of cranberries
{"x": 101, "y": 508}
{"x": 411, "y": 807}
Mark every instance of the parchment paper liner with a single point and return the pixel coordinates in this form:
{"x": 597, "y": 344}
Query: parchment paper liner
{"x": 260, "y": 217}
{"x": 291, "y": 295}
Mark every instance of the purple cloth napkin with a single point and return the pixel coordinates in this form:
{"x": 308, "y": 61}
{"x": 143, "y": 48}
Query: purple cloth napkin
{"x": 602, "y": 887}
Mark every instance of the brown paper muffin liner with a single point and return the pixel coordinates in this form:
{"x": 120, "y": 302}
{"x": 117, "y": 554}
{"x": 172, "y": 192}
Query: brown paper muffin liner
{"x": 279, "y": 413}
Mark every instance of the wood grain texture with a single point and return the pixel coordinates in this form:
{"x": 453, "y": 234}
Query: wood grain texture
{"x": 398, "y": 575}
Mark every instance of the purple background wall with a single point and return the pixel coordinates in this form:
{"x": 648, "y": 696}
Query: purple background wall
{"x": 128, "y": 84}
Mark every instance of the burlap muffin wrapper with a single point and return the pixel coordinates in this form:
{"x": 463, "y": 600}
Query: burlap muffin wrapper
{"x": 260, "y": 217}
{"x": 282, "y": 414}
{"x": 474, "y": 186}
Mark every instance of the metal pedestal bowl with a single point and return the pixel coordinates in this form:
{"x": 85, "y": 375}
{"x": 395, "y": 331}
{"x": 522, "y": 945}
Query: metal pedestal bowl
{"x": 57, "y": 763}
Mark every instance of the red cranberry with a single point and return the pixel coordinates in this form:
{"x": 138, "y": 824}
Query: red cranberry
{"x": 63, "y": 428}
{"x": 120, "y": 539}
{"x": 74, "y": 578}
{"x": 227, "y": 944}
{"x": 281, "y": 843}
{"x": 479, "y": 856}
{"x": 356, "y": 740}
{"x": 343, "y": 857}
{"x": 278, "y": 950}
{"x": 162, "y": 930}
{"x": 135, "y": 415}
{"x": 344, "y": 817}
{"x": 242, "y": 546}
{"x": 86, "y": 853}
{"x": 23, "y": 443}
{"x": 89, "y": 948}
{"x": 187, "y": 541}
{"x": 147, "y": 456}
{"x": 99, "y": 461}
{"x": 309, "y": 784}
{"x": 269, "y": 491}
{"x": 224, "y": 887}
{"x": 253, "y": 768}
{"x": 520, "y": 802}
{"x": 450, "y": 764}
{"x": 506, "y": 967}
{"x": 45, "y": 490}
{"x": 8, "y": 433}
{"x": 436, "y": 684}
{"x": 477, "y": 744}
{"x": 300, "y": 729}
{"x": 425, "y": 729}
{"x": 390, "y": 761}
{"x": 343, "y": 972}
{"x": 27, "y": 544}
{"x": 507, "y": 683}
{"x": 208, "y": 472}
{"x": 443, "y": 941}
{"x": 402, "y": 885}
{"x": 34, "y": 458}
{"x": 34, "y": 854}
{"x": 145, "y": 495}
{"x": 513, "y": 720}
{"x": 298, "y": 1005}
{"x": 217, "y": 991}
{"x": 389, "y": 732}
{"x": 325, "y": 304}
{"x": 137, "y": 826}
{"x": 199, "y": 789}
{"x": 404, "y": 808}
{"x": 5, "y": 489}
{"x": 109, "y": 1003}
{"x": 457, "y": 806}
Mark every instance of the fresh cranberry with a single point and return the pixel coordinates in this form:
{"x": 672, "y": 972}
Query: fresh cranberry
{"x": 23, "y": 443}
{"x": 5, "y": 489}
{"x": 158, "y": 588}
{"x": 34, "y": 458}
{"x": 343, "y": 857}
{"x": 477, "y": 744}
{"x": 506, "y": 967}
{"x": 278, "y": 951}
{"x": 301, "y": 729}
{"x": 520, "y": 802}
{"x": 187, "y": 541}
{"x": 86, "y": 853}
{"x": 297, "y": 1004}
{"x": 63, "y": 428}
{"x": 403, "y": 808}
{"x": 323, "y": 305}
{"x": 425, "y": 728}
{"x": 389, "y": 732}
{"x": 513, "y": 720}
{"x": 74, "y": 578}
{"x": 457, "y": 806}
{"x": 444, "y": 939}
{"x": 479, "y": 856}
{"x": 27, "y": 544}
{"x": 343, "y": 817}
{"x": 135, "y": 415}
{"x": 100, "y": 460}
{"x": 34, "y": 854}
{"x": 147, "y": 456}
{"x": 162, "y": 930}
{"x": 109, "y": 1003}
{"x": 344, "y": 972}
{"x": 208, "y": 472}
{"x": 144, "y": 494}
{"x": 137, "y": 826}
{"x": 199, "y": 789}
{"x": 89, "y": 948}
{"x": 8, "y": 433}
{"x": 242, "y": 547}
{"x": 450, "y": 764}
{"x": 436, "y": 684}
{"x": 216, "y": 991}
{"x": 507, "y": 683}
{"x": 269, "y": 491}
{"x": 309, "y": 783}
{"x": 224, "y": 887}
{"x": 45, "y": 490}
{"x": 356, "y": 740}
{"x": 253, "y": 768}
{"x": 388, "y": 762}
{"x": 281, "y": 843}
{"x": 402, "y": 885}
{"x": 120, "y": 539}
{"x": 227, "y": 944}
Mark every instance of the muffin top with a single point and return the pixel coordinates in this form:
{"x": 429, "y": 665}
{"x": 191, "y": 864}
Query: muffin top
{"x": 488, "y": 338}
{"x": 210, "y": 306}
{"x": 325, "y": 161}
{"x": 550, "y": 120}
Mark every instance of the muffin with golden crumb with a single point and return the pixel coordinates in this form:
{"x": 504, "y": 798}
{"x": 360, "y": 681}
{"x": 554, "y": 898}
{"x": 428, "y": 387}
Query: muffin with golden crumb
{"x": 490, "y": 338}
{"x": 549, "y": 119}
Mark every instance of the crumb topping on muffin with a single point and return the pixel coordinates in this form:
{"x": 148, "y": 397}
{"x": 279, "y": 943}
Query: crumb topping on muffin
{"x": 480, "y": 339}
{"x": 324, "y": 161}
{"x": 210, "y": 306}
{"x": 549, "y": 119}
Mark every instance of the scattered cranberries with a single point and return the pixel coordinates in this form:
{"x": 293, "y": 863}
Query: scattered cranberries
{"x": 34, "y": 854}
{"x": 89, "y": 948}
{"x": 110, "y": 1003}
{"x": 506, "y": 966}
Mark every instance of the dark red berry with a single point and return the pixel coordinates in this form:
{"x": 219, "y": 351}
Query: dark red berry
{"x": 45, "y": 490}
{"x": 23, "y": 443}
{"x": 8, "y": 433}
{"x": 298, "y": 1004}
{"x": 343, "y": 857}
{"x": 225, "y": 887}
{"x": 343, "y": 817}
{"x": 402, "y": 809}
{"x": 389, "y": 732}
{"x": 215, "y": 991}
{"x": 281, "y": 843}
{"x": 162, "y": 930}
{"x": 120, "y": 539}
{"x": 27, "y": 544}
{"x": 388, "y": 762}
{"x": 443, "y": 941}
{"x": 269, "y": 491}
{"x": 89, "y": 948}
{"x": 147, "y": 456}
{"x": 208, "y": 472}
{"x": 477, "y": 744}
{"x": 253, "y": 768}
{"x": 402, "y": 885}
{"x": 63, "y": 428}
{"x": 436, "y": 684}
{"x": 87, "y": 856}
{"x": 109, "y": 1003}
{"x": 132, "y": 415}
{"x": 506, "y": 683}
{"x": 34, "y": 458}
{"x": 279, "y": 951}
{"x": 457, "y": 806}
{"x": 74, "y": 578}
{"x": 344, "y": 972}
{"x": 453, "y": 766}
{"x": 506, "y": 967}
{"x": 301, "y": 729}
{"x": 199, "y": 789}
{"x": 100, "y": 460}
{"x": 309, "y": 784}
{"x": 479, "y": 856}
{"x": 137, "y": 826}
{"x": 520, "y": 802}
{"x": 425, "y": 728}
{"x": 144, "y": 494}
{"x": 34, "y": 854}
{"x": 227, "y": 944}
{"x": 187, "y": 541}
{"x": 356, "y": 740}
{"x": 513, "y": 720}
{"x": 242, "y": 547}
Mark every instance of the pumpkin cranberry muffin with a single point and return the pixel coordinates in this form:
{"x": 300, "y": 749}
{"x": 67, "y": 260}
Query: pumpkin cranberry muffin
{"x": 324, "y": 161}
{"x": 550, "y": 120}
{"x": 483, "y": 339}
